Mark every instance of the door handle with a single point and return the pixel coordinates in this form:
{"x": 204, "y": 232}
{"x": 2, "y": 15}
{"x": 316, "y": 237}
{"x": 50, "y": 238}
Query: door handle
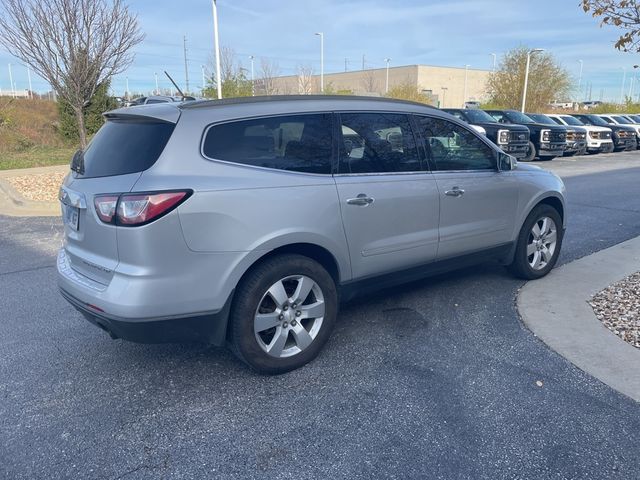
{"x": 362, "y": 200}
{"x": 454, "y": 192}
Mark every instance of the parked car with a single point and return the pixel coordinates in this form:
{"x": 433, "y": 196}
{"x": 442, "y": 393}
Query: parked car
{"x": 157, "y": 99}
{"x": 545, "y": 141}
{"x": 634, "y": 118}
{"x": 244, "y": 222}
{"x": 588, "y": 105}
{"x": 615, "y": 119}
{"x": 513, "y": 139}
{"x": 576, "y": 136}
{"x": 624, "y": 138}
{"x": 598, "y": 138}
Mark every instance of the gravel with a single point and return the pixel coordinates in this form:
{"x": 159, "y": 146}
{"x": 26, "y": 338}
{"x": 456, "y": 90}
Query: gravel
{"x": 618, "y": 308}
{"x": 41, "y": 187}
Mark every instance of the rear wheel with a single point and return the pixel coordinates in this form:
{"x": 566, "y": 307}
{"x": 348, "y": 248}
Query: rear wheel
{"x": 539, "y": 243}
{"x": 531, "y": 153}
{"x": 283, "y": 313}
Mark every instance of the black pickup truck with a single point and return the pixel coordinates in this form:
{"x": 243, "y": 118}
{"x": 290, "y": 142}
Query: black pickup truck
{"x": 545, "y": 141}
{"x": 512, "y": 139}
{"x": 576, "y": 136}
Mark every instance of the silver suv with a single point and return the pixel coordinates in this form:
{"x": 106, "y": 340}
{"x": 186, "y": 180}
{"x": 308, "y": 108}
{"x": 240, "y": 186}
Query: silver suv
{"x": 246, "y": 221}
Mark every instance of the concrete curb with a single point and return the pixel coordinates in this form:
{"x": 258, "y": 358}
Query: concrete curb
{"x": 555, "y": 309}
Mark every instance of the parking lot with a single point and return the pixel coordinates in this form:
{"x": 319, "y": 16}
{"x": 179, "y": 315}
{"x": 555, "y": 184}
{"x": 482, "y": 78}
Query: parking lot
{"x": 436, "y": 379}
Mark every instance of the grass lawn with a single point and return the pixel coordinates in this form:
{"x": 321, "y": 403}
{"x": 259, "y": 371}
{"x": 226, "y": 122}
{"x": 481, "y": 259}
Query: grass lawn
{"x": 36, "y": 157}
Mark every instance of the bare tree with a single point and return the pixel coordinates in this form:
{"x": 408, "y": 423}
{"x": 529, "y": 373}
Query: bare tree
{"x": 235, "y": 82}
{"x": 369, "y": 81}
{"x": 306, "y": 83}
{"x": 624, "y": 14}
{"x": 269, "y": 71}
{"x": 75, "y": 45}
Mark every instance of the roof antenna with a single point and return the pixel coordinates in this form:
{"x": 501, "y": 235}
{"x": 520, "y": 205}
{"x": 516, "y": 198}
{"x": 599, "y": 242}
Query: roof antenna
{"x": 175, "y": 85}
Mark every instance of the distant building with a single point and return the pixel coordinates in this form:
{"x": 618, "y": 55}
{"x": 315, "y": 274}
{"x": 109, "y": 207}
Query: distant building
{"x": 14, "y": 93}
{"x": 445, "y": 85}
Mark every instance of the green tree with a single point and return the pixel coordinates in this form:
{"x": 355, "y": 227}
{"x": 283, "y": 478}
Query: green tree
{"x": 408, "y": 91}
{"x": 234, "y": 79}
{"x": 624, "y": 14}
{"x": 548, "y": 81}
{"x": 92, "y": 113}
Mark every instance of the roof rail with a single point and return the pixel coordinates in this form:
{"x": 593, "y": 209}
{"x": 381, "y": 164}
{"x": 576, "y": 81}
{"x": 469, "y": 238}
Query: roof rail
{"x": 276, "y": 98}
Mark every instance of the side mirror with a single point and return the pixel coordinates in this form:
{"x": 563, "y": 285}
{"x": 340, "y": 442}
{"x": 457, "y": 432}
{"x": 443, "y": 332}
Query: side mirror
{"x": 506, "y": 162}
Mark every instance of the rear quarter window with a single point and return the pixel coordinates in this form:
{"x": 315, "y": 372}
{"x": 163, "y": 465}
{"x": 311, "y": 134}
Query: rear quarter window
{"x": 125, "y": 146}
{"x": 299, "y": 143}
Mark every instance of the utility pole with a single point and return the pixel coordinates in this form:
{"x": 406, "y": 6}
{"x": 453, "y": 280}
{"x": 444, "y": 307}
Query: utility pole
{"x": 363, "y": 61}
{"x": 186, "y": 68}
{"x": 127, "y": 95}
{"x": 204, "y": 84}
{"x": 216, "y": 47}
{"x": 30, "y": 87}
{"x": 624, "y": 79}
{"x": 345, "y": 64}
{"x": 495, "y": 58}
{"x": 13, "y": 88}
{"x": 157, "y": 89}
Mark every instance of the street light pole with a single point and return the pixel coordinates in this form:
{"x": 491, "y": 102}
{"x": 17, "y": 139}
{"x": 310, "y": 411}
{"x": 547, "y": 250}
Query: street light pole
{"x": 444, "y": 91}
{"x": 253, "y": 90}
{"x": 495, "y": 58}
{"x": 321, "y": 35}
{"x": 464, "y": 95}
{"x": 386, "y": 88}
{"x": 29, "y": 78}
{"x": 127, "y": 95}
{"x": 624, "y": 79}
{"x": 216, "y": 45}
{"x": 13, "y": 89}
{"x": 526, "y": 77}
{"x": 204, "y": 81}
{"x": 580, "y": 77}
{"x": 157, "y": 89}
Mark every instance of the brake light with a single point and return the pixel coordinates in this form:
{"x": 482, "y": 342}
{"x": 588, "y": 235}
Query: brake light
{"x": 106, "y": 207}
{"x": 134, "y": 209}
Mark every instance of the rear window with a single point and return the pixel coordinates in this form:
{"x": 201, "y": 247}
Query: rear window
{"x": 300, "y": 143}
{"x": 125, "y": 146}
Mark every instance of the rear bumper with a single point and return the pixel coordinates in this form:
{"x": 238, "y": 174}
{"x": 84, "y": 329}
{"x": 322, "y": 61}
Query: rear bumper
{"x": 208, "y": 328}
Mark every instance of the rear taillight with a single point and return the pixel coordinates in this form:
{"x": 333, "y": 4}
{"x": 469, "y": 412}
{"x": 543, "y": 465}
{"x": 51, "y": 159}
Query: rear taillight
{"x": 134, "y": 209}
{"x": 106, "y": 207}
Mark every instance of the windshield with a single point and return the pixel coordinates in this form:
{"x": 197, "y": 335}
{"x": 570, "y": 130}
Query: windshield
{"x": 569, "y": 120}
{"x": 479, "y": 116}
{"x": 541, "y": 118}
{"x": 635, "y": 118}
{"x": 595, "y": 120}
{"x": 619, "y": 119}
{"x": 124, "y": 146}
{"x": 517, "y": 117}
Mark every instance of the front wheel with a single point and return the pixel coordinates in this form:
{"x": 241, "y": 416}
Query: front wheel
{"x": 531, "y": 153}
{"x": 283, "y": 313}
{"x": 538, "y": 244}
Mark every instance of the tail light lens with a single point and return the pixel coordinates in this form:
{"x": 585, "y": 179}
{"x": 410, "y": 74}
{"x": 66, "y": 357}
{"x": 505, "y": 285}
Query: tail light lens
{"x": 135, "y": 209}
{"x": 106, "y": 207}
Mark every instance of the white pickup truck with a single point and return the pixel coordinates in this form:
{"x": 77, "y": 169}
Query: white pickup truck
{"x": 598, "y": 138}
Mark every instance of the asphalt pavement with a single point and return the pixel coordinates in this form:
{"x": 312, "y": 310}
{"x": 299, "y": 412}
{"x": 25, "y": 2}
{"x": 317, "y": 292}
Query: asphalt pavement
{"x": 438, "y": 379}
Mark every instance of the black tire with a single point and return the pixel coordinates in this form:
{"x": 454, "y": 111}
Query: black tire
{"x": 569, "y": 154}
{"x": 531, "y": 153}
{"x": 547, "y": 158}
{"x": 520, "y": 266}
{"x": 247, "y": 300}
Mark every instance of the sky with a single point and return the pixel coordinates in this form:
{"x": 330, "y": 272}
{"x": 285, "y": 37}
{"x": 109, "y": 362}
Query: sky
{"x": 448, "y": 33}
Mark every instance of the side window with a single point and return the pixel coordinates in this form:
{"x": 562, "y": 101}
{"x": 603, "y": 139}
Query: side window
{"x": 455, "y": 148}
{"x": 300, "y": 143}
{"x": 557, "y": 120}
{"x": 377, "y": 143}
